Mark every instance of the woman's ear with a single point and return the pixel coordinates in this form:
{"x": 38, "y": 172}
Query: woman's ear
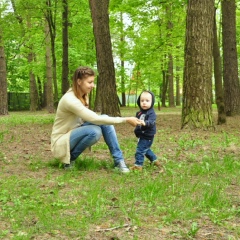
{"x": 79, "y": 82}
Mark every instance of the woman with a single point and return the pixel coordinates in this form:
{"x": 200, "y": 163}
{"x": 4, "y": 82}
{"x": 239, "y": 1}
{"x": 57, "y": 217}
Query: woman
{"x": 76, "y": 127}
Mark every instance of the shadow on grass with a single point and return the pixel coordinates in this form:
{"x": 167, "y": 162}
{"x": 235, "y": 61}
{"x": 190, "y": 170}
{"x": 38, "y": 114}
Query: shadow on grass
{"x": 83, "y": 164}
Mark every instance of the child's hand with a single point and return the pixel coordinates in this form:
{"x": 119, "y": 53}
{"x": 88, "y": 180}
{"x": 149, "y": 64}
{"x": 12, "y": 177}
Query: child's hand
{"x": 143, "y": 123}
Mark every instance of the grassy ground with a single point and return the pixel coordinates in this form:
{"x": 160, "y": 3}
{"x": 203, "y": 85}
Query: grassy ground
{"x": 197, "y": 196}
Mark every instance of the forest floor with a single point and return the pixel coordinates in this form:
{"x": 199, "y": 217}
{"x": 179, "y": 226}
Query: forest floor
{"x": 25, "y": 152}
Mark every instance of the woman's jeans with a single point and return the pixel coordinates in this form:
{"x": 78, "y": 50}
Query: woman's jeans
{"x": 143, "y": 149}
{"x": 88, "y": 134}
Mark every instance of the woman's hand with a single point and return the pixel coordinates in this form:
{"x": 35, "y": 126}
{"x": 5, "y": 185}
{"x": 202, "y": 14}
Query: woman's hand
{"x": 133, "y": 121}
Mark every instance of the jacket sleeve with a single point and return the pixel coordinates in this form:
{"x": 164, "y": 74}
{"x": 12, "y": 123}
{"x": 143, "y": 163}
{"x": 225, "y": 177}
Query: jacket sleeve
{"x": 151, "y": 119}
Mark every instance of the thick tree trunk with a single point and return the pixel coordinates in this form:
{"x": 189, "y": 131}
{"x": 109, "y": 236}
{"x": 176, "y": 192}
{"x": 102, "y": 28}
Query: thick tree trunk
{"x": 230, "y": 61}
{"x": 65, "y": 68}
{"x": 218, "y": 77}
{"x": 3, "y": 79}
{"x": 197, "y": 86}
{"x": 107, "y": 81}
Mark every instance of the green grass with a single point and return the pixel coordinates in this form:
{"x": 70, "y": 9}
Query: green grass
{"x": 198, "y": 189}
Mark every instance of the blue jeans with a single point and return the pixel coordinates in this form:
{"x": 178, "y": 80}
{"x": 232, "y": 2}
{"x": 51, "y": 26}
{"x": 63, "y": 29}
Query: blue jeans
{"x": 143, "y": 149}
{"x": 88, "y": 134}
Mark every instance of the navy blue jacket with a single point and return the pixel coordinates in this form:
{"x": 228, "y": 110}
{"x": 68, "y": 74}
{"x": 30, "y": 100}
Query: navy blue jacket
{"x": 149, "y": 117}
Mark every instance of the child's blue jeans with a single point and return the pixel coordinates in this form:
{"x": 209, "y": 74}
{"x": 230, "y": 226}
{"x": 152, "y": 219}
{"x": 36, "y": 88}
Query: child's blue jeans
{"x": 143, "y": 149}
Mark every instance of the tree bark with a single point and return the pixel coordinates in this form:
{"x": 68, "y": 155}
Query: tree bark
{"x": 123, "y": 88}
{"x": 3, "y": 78}
{"x": 49, "y": 75}
{"x": 218, "y": 76}
{"x": 230, "y": 61}
{"x": 51, "y": 19}
{"x": 197, "y": 85}
{"x": 178, "y": 96}
{"x": 170, "y": 81}
{"x": 34, "y": 101}
{"x": 65, "y": 68}
{"x": 107, "y": 81}
{"x": 164, "y": 88}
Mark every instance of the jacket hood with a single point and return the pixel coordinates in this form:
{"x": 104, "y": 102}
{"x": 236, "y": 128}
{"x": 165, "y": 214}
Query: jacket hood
{"x": 153, "y": 99}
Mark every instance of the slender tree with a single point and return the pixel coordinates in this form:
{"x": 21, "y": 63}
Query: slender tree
{"x": 49, "y": 73}
{"x": 50, "y": 16}
{"x": 230, "y": 61}
{"x": 170, "y": 56}
{"x": 65, "y": 68}
{"x": 122, "y": 40}
{"x": 170, "y": 81}
{"x": 107, "y": 81}
{"x": 178, "y": 97}
{"x": 34, "y": 100}
{"x": 197, "y": 85}
{"x": 218, "y": 76}
{"x": 3, "y": 76}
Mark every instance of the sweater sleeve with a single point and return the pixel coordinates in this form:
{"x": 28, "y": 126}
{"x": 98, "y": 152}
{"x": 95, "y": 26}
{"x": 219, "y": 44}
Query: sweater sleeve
{"x": 75, "y": 106}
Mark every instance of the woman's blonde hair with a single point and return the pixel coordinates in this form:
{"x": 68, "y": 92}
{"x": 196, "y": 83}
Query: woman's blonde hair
{"x": 81, "y": 73}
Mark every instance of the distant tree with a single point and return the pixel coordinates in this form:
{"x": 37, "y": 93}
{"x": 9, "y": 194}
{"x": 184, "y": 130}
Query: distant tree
{"x": 122, "y": 40}
{"x": 178, "y": 97}
{"x": 230, "y": 61}
{"x": 49, "y": 74}
{"x": 50, "y": 15}
{"x": 65, "y": 68}
{"x": 170, "y": 81}
{"x": 197, "y": 85}
{"x": 3, "y": 77}
{"x": 218, "y": 76}
{"x": 34, "y": 100}
{"x": 170, "y": 57}
{"x": 107, "y": 83}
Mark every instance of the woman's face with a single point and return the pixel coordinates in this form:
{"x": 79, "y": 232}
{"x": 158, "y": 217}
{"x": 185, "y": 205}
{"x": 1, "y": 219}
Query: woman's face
{"x": 86, "y": 85}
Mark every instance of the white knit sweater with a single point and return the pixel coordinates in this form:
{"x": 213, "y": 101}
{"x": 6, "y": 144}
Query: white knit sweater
{"x": 71, "y": 113}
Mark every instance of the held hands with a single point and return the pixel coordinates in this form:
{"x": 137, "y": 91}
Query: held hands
{"x": 135, "y": 121}
{"x": 143, "y": 123}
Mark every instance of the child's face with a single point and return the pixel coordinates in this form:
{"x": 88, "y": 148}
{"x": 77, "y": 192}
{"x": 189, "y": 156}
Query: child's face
{"x": 145, "y": 100}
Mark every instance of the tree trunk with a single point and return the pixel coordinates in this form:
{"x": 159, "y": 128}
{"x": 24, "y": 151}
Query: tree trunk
{"x": 123, "y": 89}
{"x": 230, "y": 61}
{"x": 51, "y": 19}
{"x": 197, "y": 85}
{"x": 170, "y": 81}
{"x": 164, "y": 88}
{"x": 65, "y": 68}
{"x": 218, "y": 76}
{"x": 49, "y": 75}
{"x": 107, "y": 81}
{"x": 97, "y": 104}
{"x": 3, "y": 78}
{"x": 178, "y": 97}
{"x": 34, "y": 101}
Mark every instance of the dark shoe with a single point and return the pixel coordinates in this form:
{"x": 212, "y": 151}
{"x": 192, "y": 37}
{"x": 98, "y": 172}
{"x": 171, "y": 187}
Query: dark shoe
{"x": 68, "y": 166}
